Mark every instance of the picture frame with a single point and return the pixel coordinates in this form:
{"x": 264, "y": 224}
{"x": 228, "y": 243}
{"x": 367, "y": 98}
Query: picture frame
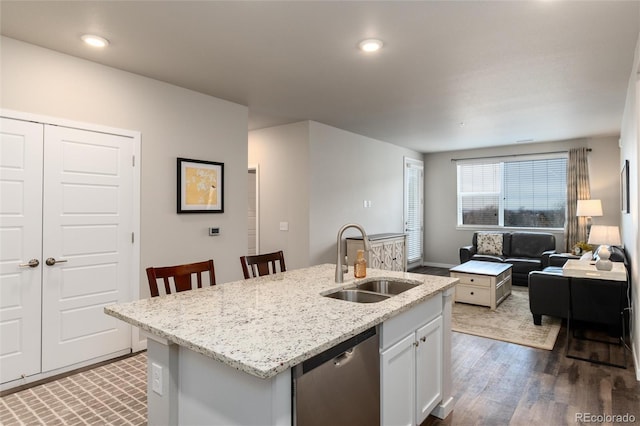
{"x": 625, "y": 205}
{"x": 200, "y": 186}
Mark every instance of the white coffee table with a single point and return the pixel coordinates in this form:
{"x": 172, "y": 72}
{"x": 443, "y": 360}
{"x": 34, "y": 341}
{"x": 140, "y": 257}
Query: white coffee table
{"x": 482, "y": 283}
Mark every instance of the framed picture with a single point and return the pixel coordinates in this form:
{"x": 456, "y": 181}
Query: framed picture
{"x": 624, "y": 188}
{"x": 200, "y": 186}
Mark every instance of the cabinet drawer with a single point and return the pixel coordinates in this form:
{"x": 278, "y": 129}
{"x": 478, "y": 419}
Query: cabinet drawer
{"x": 479, "y": 280}
{"x": 474, "y": 295}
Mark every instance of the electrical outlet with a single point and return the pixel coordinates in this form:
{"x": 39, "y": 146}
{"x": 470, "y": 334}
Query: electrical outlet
{"x": 156, "y": 378}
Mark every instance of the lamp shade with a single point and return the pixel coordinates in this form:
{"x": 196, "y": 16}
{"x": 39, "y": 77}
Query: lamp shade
{"x": 589, "y": 208}
{"x": 604, "y": 235}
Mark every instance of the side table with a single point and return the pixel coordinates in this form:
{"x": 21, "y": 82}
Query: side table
{"x": 598, "y": 297}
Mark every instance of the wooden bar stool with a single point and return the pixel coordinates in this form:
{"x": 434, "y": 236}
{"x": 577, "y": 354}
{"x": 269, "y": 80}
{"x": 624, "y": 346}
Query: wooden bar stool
{"x": 182, "y": 276}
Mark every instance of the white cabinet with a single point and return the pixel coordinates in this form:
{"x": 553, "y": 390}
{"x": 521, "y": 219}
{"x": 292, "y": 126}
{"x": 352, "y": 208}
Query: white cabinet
{"x": 387, "y": 251}
{"x": 428, "y": 368}
{"x": 411, "y": 364}
{"x": 397, "y": 381}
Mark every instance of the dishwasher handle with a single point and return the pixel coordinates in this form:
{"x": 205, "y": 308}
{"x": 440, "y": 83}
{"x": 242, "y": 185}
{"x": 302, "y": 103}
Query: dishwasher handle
{"x": 336, "y": 352}
{"x": 343, "y": 358}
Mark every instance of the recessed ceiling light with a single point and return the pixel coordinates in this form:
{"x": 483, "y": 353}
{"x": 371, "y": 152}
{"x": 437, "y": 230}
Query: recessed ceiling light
{"x": 94, "y": 40}
{"x": 370, "y": 45}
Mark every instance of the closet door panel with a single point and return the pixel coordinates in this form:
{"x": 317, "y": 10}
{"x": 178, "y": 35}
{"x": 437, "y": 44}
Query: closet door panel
{"x": 20, "y": 242}
{"x": 88, "y": 214}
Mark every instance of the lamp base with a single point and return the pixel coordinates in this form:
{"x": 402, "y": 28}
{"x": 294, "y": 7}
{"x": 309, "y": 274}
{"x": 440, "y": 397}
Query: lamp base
{"x": 603, "y": 263}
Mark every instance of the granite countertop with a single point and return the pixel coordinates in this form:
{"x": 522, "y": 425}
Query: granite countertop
{"x": 266, "y": 325}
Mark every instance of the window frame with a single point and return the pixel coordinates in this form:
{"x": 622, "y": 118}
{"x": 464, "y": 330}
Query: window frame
{"x": 501, "y": 198}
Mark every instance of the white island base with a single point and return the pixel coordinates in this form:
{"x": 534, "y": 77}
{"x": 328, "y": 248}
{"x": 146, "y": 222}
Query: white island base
{"x": 187, "y": 388}
{"x": 198, "y": 390}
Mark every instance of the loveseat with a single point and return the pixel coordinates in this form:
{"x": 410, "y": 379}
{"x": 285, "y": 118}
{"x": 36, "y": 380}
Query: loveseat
{"x": 526, "y": 251}
{"x": 549, "y": 289}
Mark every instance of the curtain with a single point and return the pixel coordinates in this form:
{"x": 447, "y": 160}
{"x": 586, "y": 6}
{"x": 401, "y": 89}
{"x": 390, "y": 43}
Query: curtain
{"x": 577, "y": 189}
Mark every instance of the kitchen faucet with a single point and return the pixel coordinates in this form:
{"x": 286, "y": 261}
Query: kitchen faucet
{"x": 340, "y": 256}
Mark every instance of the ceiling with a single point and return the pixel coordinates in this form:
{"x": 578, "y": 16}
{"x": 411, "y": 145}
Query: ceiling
{"x": 452, "y": 74}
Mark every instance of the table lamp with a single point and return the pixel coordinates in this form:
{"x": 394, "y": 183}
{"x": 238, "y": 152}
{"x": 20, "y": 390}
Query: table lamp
{"x": 604, "y": 236}
{"x": 589, "y": 209}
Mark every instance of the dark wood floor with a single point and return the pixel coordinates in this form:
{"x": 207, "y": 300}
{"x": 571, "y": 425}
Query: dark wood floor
{"x": 498, "y": 383}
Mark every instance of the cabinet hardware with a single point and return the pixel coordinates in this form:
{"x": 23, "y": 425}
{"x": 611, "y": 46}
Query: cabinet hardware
{"x": 51, "y": 261}
{"x": 423, "y": 338}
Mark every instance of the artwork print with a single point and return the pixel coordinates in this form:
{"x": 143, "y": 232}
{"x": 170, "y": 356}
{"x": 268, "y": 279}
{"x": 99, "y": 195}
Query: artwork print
{"x": 200, "y": 186}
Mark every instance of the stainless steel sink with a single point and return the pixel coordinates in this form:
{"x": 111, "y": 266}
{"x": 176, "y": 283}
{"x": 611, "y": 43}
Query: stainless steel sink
{"x": 359, "y": 296}
{"x": 372, "y": 291}
{"x": 386, "y": 286}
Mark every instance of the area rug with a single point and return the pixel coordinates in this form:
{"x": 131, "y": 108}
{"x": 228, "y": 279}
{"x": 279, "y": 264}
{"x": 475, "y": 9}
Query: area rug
{"x": 510, "y": 322}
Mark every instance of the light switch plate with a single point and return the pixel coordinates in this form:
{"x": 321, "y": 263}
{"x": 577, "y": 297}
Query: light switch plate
{"x": 284, "y": 226}
{"x": 156, "y": 378}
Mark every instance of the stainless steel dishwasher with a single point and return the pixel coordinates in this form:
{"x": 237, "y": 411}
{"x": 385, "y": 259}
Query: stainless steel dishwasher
{"x": 340, "y": 386}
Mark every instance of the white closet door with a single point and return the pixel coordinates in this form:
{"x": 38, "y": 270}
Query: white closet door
{"x": 20, "y": 241}
{"x": 87, "y": 230}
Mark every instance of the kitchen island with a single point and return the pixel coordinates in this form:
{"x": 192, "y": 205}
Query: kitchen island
{"x": 224, "y": 354}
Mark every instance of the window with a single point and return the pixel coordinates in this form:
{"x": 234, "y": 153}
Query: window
{"x": 519, "y": 193}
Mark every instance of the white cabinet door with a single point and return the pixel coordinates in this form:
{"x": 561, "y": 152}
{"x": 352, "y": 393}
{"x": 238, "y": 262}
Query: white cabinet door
{"x": 428, "y": 368}
{"x": 397, "y": 256}
{"x": 376, "y": 256}
{"x": 397, "y": 382}
{"x": 88, "y": 224}
{"x": 20, "y": 241}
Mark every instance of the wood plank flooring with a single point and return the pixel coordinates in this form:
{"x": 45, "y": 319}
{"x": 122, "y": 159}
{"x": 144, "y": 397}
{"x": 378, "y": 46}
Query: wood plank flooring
{"x": 498, "y": 383}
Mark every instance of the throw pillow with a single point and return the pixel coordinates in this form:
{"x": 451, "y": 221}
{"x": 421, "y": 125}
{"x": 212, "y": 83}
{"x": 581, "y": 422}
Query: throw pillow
{"x": 489, "y": 243}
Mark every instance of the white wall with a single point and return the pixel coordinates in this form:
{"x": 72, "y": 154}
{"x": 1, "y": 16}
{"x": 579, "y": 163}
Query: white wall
{"x": 173, "y": 122}
{"x": 317, "y": 177}
{"x": 347, "y": 169}
{"x": 629, "y": 140}
{"x": 282, "y": 155}
{"x": 443, "y": 240}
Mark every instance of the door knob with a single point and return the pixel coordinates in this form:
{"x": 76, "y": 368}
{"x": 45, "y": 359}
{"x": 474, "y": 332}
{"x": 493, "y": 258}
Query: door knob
{"x": 33, "y": 263}
{"x": 51, "y": 261}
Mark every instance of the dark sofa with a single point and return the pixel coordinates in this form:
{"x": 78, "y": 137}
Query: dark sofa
{"x": 526, "y": 251}
{"x": 549, "y": 289}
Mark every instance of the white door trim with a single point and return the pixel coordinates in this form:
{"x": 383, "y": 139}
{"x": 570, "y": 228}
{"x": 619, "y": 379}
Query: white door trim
{"x": 256, "y": 167}
{"x": 137, "y": 341}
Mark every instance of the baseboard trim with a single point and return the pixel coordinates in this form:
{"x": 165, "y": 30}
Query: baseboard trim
{"x": 438, "y": 265}
{"x": 636, "y": 361}
{"x": 443, "y": 409}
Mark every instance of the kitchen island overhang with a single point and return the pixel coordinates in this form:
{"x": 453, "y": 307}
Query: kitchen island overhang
{"x": 262, "y": 327}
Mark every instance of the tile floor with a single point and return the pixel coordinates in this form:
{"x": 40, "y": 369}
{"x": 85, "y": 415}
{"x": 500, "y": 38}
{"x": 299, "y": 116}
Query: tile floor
{"x": 112, "y": 394}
